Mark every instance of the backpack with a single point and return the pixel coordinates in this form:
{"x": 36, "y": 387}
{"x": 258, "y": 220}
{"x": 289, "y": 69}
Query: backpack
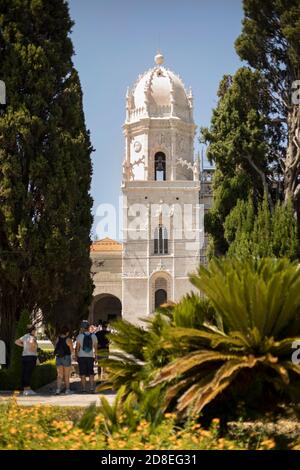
{"x": 87, "y": 344}
{"x": 61, "y": 348}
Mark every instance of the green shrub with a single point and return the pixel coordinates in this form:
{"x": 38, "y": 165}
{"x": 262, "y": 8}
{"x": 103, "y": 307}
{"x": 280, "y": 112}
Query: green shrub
{"x": 50, "y": 428}
{"x": 10, "y": 378}
{"x": 16, "y": 351}
{"x": 235, "y": 346}
{"x": 45, "y": 355}
{"x": 250, "y": 357}
{"x": 8, "y": 381}
{"x": 58, "y": 428}
{"x": 42, "y": 375}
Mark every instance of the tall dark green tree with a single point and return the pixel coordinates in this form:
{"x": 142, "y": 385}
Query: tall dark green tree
{"x": 270, "y": 43}
{"x": 262, "y": 233}
{"x": 45, "y": 168}
{"x": 243, "y": 142}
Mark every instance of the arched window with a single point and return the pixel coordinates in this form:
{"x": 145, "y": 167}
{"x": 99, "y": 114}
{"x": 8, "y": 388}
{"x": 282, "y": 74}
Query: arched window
{"x": 161, "y": 289}
{"x": 160, "y": 166}
{"x": 161, "y": 242}
{"x": 160, "y": 297}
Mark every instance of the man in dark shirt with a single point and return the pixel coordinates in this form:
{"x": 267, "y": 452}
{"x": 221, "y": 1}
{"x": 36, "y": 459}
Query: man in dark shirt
{"x": 103, "y": 348}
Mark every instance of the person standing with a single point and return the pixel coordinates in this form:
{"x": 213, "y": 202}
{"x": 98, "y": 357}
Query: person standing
{"x": 92, "y": 329}
{"x": 103, "y": 348}
{"x": 29, "y": 358}
{"x": 63, "y": 352}
{"x": 86, "y": 350}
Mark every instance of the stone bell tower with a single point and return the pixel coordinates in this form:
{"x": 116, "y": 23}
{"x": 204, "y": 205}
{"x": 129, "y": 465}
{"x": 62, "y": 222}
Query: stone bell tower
{"x": 161, "y": 215}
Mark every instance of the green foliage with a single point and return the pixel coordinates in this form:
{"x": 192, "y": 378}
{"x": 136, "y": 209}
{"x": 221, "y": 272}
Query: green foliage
{"x": 204, "y": 355}
{"x": 45, "y": 169}
{"x": 191, "y": 311}
{"x": 16, "y": 351}
{"x": 87, "y": 421}
{"x": 43, "y": 374}
{"x": 270, "y": 43}
{"x": 243, "y": 143}
{"x": 45, "y": 355}
{"x": 259, "y": 303}
{"x": 263, "y": 233}
{"x": 136, "y": 353}
{"x": 285, "y": 231}
{"x": 261, "y": 294}
{"x": 114, "y": 414}
{"x": 239, "y": 124}
{"x": 253, "y": 137}
{"x": 10, "y": 379}
{"x": 56, "y": 428}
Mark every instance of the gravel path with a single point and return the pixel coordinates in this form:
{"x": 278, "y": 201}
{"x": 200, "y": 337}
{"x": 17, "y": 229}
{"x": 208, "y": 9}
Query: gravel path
{"x": 45, "y": 396}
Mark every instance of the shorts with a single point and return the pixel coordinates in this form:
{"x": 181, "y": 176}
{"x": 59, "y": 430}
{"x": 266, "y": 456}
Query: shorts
{"x": 86, "y": 366}
{"x": 64, "y": 361}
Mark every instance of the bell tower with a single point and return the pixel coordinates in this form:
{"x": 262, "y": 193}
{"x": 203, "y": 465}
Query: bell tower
{"x": 160, "y": 185}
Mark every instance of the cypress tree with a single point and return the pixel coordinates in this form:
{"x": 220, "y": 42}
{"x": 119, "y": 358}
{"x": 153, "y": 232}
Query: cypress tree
{"x": 262, "y": 233}
{"x": 243, "y": 143}
{"x": 238, "y": 228}
{"x": 270, "y": 43}
{"x": 254, "y": 134}
{"x": 285, "y": 232}
{"x": 45, "y": 168}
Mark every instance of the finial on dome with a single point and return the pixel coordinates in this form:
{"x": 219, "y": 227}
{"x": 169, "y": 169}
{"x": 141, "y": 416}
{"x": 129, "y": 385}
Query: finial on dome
{"x": 159, "y": 58}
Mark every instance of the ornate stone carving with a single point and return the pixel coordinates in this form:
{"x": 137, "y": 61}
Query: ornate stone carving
{"x": 133, "y": 274}
{"x": 137, "y": 146}
{"x": 128, "y": 173}
{"x": 161, "y": 139}
{"x": 141, "y": 160}
{"x": 196, "y": 170}
{"x": 182, "y": 142}
{"x": 185, "y": 163}
{"x": 161, "y": 267}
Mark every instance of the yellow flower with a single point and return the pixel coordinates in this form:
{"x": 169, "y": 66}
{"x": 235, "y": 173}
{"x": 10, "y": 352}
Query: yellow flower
{"x": 216, "y": 421}
{"x": 205, "y": 433}
{"x": 296, "y": 447}
{"x": 268, "y": 443}
{"x": 196, "y": 426}
{"x": 170, "y": 415}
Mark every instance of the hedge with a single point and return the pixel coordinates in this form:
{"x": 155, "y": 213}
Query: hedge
{"x": 42, "y": 375}
{"x": 45, "y": 356}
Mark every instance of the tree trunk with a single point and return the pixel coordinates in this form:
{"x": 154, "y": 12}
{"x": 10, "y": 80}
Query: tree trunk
{"x": 292, "y": 161}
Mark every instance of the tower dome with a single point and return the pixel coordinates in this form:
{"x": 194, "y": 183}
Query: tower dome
{"x": 159, "y": 93}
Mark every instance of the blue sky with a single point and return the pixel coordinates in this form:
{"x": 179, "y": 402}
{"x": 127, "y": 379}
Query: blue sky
{"x": 116, "y": 40}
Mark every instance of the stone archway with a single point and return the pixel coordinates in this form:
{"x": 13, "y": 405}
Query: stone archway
{"x": 161, "y": 297}
{"x": 106, "y": 307}
{"x": 160, "y": 289}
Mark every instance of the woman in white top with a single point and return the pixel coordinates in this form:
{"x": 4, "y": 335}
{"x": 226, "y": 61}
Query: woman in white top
{"x": 29, "y": 357}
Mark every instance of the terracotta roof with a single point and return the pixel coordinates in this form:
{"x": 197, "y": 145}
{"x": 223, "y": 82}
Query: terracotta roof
{"x": 106, "y": 244}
